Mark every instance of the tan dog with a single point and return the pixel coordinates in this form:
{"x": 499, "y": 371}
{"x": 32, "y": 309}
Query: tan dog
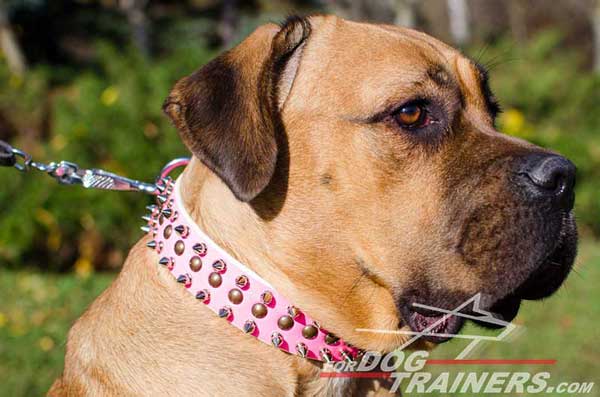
{"x": 357, "y": 169}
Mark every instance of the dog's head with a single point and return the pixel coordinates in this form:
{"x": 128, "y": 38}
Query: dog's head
{"x": 369, "y": 155}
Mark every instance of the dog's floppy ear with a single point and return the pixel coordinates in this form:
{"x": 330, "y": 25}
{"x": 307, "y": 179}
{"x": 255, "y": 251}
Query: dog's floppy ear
{"x": 228, "y": 112}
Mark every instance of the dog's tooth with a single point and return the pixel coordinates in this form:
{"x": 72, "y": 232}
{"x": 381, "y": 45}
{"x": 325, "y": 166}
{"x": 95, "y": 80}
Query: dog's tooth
{"x": 276, "y": 339}
{"x": 325, "y": 355}
{"x": 301, "y": 349}
{"x": 249, "y": 326}
{"x": 151, "y": 244}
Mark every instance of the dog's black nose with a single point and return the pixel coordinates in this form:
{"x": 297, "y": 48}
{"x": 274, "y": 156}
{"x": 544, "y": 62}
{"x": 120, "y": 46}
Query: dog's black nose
{"x": 551, "y": 177}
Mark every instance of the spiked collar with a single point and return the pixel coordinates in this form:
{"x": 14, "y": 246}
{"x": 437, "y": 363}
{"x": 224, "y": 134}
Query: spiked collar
{"x": 229, "y": 288}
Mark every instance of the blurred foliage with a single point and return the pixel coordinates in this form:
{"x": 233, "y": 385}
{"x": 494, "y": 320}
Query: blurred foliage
{"x": 550, "y": 100}
{"x": 108, "y": 119}
{"x": 109, "y": 116}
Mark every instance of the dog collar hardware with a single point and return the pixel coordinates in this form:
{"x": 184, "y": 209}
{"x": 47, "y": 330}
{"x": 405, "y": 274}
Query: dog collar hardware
{"x": 230, "y": 289}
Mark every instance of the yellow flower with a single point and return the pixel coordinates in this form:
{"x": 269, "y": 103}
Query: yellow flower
{"x": 109, "y": 96}
{"x": 513, "y": 123}
{"x": 83, "y": 267}
{"x": 46, "y": 343}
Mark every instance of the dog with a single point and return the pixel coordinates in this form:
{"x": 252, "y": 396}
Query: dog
{"x": 356, "y": 168}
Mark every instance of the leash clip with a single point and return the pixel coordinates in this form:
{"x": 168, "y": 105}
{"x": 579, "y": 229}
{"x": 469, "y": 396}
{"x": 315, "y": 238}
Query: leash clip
{"x": 68, "y": 173}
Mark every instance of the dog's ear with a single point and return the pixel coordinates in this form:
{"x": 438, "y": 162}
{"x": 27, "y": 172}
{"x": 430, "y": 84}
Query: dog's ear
{"x": 228, "y": 112}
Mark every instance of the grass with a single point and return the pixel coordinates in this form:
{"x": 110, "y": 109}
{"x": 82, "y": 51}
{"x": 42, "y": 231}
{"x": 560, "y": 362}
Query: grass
{"x": 37, "y": 309}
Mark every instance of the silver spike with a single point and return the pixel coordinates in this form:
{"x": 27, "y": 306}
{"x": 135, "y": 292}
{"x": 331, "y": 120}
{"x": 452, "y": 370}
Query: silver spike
{"x": 152, "y": 207}
{"x": 326, "y": 355}
{"x": 151, "y": 244}
{"x": 161, "y": 198}
{"x": 167, "y": 212}
{"x": 161, "y": 188}
{"x": 225, "y": 312}
{"x": 301, "y": 349}
{"x": 276, "y": 339}
{"x": 145, "y": 229}
{"x": 249, "y": 326}
{"x": 148, "y": 218}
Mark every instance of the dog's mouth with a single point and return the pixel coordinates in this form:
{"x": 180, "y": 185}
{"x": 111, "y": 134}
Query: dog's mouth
{"x": 433, "y": 326}
{"x": 437, "y": 326}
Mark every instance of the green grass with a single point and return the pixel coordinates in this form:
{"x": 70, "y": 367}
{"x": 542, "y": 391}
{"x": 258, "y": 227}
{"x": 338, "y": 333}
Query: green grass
{"x": 37, "y": 309}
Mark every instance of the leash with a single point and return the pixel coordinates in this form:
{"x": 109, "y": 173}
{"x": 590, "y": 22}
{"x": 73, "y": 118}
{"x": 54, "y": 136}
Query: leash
{"x": 229, "y": 288}
{"x": 69, "y": 173}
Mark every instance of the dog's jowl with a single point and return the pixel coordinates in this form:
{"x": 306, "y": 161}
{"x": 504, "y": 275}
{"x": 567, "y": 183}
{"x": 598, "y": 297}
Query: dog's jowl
{"x": 356, "y": 169}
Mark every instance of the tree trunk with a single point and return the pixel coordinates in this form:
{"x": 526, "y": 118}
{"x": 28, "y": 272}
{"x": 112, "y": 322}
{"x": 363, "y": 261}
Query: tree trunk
{"x": 458, "y": 18}
{"x": 9, "y": 45}
{"x": 596, "y": 25}
{"x": 406, "y": 13}
{"x": 138, "y": 23}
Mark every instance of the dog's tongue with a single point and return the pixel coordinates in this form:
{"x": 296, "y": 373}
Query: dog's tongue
{"x": 422, "y": 322}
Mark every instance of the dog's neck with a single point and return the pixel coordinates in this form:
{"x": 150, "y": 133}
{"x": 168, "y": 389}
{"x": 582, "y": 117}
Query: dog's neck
{"x": 237, "y": 228}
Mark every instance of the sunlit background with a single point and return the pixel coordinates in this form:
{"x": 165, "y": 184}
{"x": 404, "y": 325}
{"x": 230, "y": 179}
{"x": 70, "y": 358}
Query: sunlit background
{"x": 85, "y": 80}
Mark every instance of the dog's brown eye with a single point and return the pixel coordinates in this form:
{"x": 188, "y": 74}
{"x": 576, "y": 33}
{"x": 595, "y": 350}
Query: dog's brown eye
{"x": 411, "y": 116}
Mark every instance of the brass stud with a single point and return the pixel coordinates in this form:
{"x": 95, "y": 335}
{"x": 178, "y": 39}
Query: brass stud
{"x": 325, "y": 355}
{"x": 259, "y": 310}
{"x": 293, "y": 311}
{"x": 310, "y": 332}
{"x": 235, "y": 296}
{"x": 179, "y": 247}
{"x": 161, "y": 220}
{"x": 167, "y": 232}
{"x": 225, "y": 312}
{"x": 241, "y": 281}
{"x": 285, "y": 322}
{"x": 249, "y": 327}
{"x": 182, "y": 230}
{"x": 276, "y": 339}
{"x": 215, "y": 280}
{"x": 200, "y": 249}
{"x": 331, "y": 339}
{"x": 195, "y": 263}
{"x": 301, "y": 349}
{"x": 203, "y": 295}
{"x": 266, "y": 297}
{"x": 220, "y": 266}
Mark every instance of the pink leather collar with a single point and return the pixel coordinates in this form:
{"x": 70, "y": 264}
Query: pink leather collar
{"x": 232, "y": 290}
